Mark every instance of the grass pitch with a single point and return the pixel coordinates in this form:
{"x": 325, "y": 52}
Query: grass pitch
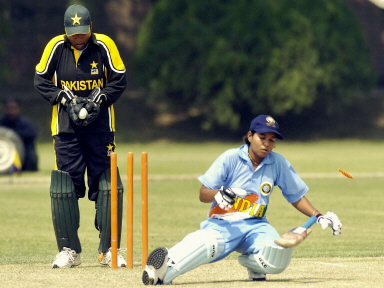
{"x": 355, "y": 259}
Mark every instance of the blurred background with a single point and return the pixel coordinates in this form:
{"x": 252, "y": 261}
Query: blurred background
{"x": 201, "y": 70}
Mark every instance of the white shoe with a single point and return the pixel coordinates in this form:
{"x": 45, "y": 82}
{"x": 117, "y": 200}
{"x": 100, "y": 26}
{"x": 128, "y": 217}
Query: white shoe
{"x": 106, "y": 259}
{"x": 156, "y": 267}
{"x": 254, "y": 276}
{"x": 67, "y": 258}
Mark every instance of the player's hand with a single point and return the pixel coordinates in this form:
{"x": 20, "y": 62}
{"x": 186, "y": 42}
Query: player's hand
{"x": 330, "y": 220}
{"x": 93, "y": 111}
{"x": 225, "y": 198}
{"x": 73, "y": 109}
{"x": 97, "y": 96}
{"x": 65, "y": 96}
{"x": 239, "y": 192}
{"x": 93, "y": 105}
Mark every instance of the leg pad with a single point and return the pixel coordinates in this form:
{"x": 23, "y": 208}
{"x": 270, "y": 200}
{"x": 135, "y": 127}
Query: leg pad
{"x": 197, "y": 248}
{"x": 270, "y": 260}
{"x": 65, "y": 211}
{"x": 103, "y": 209}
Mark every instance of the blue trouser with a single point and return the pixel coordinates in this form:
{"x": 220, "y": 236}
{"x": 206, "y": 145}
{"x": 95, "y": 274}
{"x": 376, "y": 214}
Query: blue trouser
{"x": 77, "y": 152}
{"x": 246, "y": 236}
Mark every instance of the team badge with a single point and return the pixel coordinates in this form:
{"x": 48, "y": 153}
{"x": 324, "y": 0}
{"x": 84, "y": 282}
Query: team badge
{"x": 110, "y": 148}
{"x": 266, "y": 188}
{"x": 270, "y": 122}
{"x": 94, "y": 69}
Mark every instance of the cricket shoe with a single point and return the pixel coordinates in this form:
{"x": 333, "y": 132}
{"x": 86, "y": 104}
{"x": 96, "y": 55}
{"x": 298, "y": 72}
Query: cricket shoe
{"x": 156, "y": 267}
{"x": 106, "y": 258}
{"x": 67, "y": 258}
{"x": 254, "y": 276}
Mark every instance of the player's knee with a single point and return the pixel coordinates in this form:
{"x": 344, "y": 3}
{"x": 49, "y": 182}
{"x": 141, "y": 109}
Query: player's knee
{"x": 270, "y": 260}
{"x": 211, "y": 240}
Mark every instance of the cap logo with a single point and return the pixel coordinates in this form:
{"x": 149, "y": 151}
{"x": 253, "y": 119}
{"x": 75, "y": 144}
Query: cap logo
{"x": 270, "y": 122}
{"x": 76, "y": 19}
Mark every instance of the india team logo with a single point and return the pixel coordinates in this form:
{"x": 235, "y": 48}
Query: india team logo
{"x": 266, "y": 188}
{"x": 270, "y": 122}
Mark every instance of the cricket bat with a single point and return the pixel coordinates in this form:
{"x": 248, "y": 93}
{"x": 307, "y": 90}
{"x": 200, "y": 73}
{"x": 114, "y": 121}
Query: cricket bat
{"x": 297, "y": 235}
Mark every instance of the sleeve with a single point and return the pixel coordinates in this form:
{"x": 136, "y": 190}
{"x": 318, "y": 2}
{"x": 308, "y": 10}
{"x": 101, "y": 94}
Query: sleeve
{"x": 44, "y": 80}
{"x": 115, "y": 69}
{"x": 216, "y": 175}
{"x": 290, "y": 183}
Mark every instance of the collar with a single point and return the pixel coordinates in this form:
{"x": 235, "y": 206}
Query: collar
{"x": 244, "y": 155}
{"x": 92, "y": 40}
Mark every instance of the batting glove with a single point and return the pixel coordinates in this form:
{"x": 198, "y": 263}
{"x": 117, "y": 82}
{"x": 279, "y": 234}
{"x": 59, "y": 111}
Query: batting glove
{"x": 330, "y": 220}
{"x": 225, "y": 198}
{"x": 65, "y": 96}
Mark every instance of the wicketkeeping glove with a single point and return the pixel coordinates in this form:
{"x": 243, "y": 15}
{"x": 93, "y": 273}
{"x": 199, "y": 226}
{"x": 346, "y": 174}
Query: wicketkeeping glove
{"x": 92, "y": 106}
{"x": 225, "y": 198}
{"x": 330, "y": 220}
{"x": 73, "y": 108}
{"x": 65, "y": 96}
{"x": 97, "y": 96}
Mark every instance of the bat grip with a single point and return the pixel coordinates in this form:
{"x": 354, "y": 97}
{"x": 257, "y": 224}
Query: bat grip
{"x": 312, "y": 220}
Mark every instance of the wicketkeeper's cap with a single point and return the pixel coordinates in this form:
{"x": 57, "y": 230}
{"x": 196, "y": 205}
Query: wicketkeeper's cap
{"x": 264, "y": 124}
{"x": 77, "y": 20}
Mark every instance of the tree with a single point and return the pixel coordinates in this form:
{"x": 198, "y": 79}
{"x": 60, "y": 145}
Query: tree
{"x": 231, "y": 59}
{"x": 5, "y": 33}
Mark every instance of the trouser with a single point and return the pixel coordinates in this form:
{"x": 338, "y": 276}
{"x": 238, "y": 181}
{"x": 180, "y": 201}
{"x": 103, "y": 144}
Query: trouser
{"x": 77, "y": 153}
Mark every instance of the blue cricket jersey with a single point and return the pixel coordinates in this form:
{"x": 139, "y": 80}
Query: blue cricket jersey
{"x": 234, "y": 169}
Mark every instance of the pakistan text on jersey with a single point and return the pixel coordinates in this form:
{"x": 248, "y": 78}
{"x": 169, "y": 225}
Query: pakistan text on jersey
{"x": 83, "y": 84}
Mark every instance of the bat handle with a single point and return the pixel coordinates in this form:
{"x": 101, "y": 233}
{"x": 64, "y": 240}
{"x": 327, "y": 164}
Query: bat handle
{"x": 312, "y": 220}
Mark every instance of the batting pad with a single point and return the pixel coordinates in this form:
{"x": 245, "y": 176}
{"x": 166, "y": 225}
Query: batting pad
{"x": 197, "y": 248}
{"x": 269, "y": 260}
{"x": 65, "y": 211}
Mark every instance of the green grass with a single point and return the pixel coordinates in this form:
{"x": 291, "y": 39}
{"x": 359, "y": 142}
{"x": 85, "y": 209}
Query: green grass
{"x": 27, "y": 237}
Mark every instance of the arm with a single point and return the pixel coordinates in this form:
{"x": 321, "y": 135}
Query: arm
{"x": 207, "y": 195}
{"x": 45, "y": 71}
{"x": 305, "y": 207}
{"x": 116, "y": 72}
{"x": 328, "y": 220}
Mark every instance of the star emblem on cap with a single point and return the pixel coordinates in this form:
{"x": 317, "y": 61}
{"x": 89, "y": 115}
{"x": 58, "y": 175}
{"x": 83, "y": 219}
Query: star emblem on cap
{"x": 76, "y": 19}
{"x": 94, "y": 65}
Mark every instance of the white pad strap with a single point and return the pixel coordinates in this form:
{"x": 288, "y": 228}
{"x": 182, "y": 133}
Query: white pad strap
{"x": 270, "y": 260}
{"x": 197, "y": 248}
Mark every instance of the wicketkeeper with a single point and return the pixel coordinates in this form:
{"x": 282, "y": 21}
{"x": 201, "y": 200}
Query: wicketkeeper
{"x": 239, "y": 184}
{"x": 82, "y": 75}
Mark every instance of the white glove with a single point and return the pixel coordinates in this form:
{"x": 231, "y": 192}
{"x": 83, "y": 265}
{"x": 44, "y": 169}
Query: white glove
{"x": 225, "y": 198}
{"x": 239, "y": 192}
{"x": 330, "y": 220}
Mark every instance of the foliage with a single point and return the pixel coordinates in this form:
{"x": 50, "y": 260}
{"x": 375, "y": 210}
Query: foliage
{"x": 4, "y": 31}
{"x": 243, "y": 57}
